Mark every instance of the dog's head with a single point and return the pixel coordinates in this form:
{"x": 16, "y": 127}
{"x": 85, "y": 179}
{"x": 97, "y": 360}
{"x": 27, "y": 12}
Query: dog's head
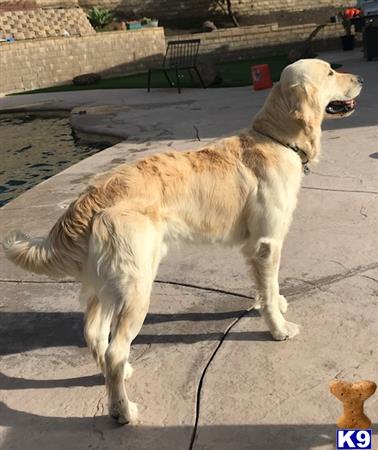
{"x": 308, "y": 92}
{"x": 313, "y": 83}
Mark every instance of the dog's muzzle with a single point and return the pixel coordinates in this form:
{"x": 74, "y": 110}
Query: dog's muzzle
{"x": 341, "y": 106}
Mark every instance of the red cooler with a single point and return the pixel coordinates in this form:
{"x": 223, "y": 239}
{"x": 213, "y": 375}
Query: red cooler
{"x": 261, "y": 77}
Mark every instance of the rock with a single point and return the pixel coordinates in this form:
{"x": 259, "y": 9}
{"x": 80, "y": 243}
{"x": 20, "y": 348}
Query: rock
{"x": 86, "y": 79}
{"x": 208, "y": 26}
{"x": 210, "y": 74}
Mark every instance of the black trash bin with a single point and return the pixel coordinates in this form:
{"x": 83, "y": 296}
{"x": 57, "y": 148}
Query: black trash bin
{"x": 370, "y": 37}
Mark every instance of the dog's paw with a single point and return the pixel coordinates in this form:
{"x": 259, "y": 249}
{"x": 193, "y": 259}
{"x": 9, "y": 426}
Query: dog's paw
{"x": 129, "y": 415}
{"x": 124, "y": 411}
{"x": 128, "y": 371}
{"x": 258, "y": 303}
{"x": 282, "y": 303}
{"x": 257, "y": 306}
{"x": 287, "y": 331}
{"x": 114, "y": 410}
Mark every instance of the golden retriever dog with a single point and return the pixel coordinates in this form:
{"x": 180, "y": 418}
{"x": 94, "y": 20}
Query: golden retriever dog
{"x": 240, "y": 190}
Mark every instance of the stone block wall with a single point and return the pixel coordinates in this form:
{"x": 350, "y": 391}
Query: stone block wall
{"x": 39, "y": 23}
{"x": 21, "y": 5}
{"x": 38, "y": 63}
{"x": 41, "y": 63}
{"x": 250, "y": 7}
{"x": 181, "y": 9}
{"x": 261, "y": 40}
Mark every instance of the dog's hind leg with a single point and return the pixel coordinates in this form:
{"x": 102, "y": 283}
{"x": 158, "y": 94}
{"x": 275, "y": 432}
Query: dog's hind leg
{"x": 128, "y": 324}
{"x": 97, "y": 322}
{"x": 129, "y": 252}
{"x": 264, "y": 258}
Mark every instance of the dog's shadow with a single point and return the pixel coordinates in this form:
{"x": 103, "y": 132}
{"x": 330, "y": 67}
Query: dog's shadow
{"x": 25, "y": 331}
{"x": 15, "y": 383}
{"x": 102, "y": 432}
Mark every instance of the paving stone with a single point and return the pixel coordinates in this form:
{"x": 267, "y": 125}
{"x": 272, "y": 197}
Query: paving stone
{"x": 275, "y": 395}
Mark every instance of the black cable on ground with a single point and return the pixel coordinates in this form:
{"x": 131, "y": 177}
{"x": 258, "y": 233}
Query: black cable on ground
{"x": 200, "y": 384}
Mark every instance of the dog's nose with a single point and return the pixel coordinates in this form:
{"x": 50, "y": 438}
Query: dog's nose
{"x": 360, "y": 79}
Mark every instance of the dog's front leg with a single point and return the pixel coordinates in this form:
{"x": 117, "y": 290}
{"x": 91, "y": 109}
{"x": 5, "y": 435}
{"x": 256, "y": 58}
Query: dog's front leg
{"x": 265, "y": 259}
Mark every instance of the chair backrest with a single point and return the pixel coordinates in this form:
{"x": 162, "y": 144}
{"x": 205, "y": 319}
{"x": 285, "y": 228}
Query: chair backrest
{"x": 181, "y": 54}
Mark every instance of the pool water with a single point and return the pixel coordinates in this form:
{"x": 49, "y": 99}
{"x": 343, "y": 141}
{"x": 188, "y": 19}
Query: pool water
{"x": 33, "y": 149}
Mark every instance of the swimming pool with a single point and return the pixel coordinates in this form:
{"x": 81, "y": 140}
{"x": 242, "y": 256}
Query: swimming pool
{"x": 33, "y": 149}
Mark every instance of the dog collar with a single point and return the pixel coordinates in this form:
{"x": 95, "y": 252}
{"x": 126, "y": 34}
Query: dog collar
{"x": 301, "y": 153}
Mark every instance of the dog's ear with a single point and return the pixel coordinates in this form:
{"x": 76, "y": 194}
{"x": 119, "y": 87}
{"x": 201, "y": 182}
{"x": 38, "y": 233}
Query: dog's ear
{"x": 305, "y": 110}
{"x": 304, "y": 105}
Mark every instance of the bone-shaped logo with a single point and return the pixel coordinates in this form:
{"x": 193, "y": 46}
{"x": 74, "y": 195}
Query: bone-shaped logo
{"x": 353, "y": 396}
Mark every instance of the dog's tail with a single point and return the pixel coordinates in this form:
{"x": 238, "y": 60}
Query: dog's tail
{"x": 63, "y": 251}
{"x": 35, "y": 255}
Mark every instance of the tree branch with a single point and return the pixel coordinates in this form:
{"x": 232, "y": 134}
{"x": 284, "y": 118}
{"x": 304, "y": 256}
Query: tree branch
{"x": 231, "y": 13}
{"x": 228, "y": 10}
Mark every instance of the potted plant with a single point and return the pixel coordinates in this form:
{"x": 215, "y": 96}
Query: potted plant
{"x": 99, "y": 18}
{"x": 149, "y": 23}
{"x": 133, "y": 25}
{"x": 346, "y": 17}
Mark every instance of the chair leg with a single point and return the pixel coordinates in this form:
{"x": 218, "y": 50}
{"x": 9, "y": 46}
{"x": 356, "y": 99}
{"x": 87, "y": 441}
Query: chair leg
{"x": 199, "y": 77}
{"x": 168, "y": 79}
{"x": 149, "y": 81}
{"x": 191, "y": 76}
{"x": 178, "y": 81}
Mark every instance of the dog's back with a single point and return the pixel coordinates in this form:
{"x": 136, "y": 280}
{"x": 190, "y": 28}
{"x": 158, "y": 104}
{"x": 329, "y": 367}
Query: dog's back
{"x": 195, "y": 196}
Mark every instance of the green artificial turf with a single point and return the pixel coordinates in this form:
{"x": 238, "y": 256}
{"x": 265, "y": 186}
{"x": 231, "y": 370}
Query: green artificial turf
{"x": 238, "y": 73}
{"x": 234, "y": 73}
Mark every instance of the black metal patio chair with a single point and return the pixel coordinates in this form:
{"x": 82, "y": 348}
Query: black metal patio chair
{"x": 180, "y": 55}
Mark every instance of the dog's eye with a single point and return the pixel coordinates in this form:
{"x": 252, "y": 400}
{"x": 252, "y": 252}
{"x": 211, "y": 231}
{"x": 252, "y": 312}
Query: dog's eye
{"x": 331, "y": 72}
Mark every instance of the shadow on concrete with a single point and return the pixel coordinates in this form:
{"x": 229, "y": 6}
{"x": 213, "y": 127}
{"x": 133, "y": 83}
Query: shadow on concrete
{"x": 200, "y": 337}
{"x": 13, "y": 383}
{"x": 192, "y": 317}
{"x": 102, "y": 432}
{"x": 24, "y": 331}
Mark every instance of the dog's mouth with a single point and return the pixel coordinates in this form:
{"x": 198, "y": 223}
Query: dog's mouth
{"x": 341, "y": 106}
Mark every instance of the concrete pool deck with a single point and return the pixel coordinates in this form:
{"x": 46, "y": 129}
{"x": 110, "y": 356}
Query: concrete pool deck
{"x": 200, "y": 358}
